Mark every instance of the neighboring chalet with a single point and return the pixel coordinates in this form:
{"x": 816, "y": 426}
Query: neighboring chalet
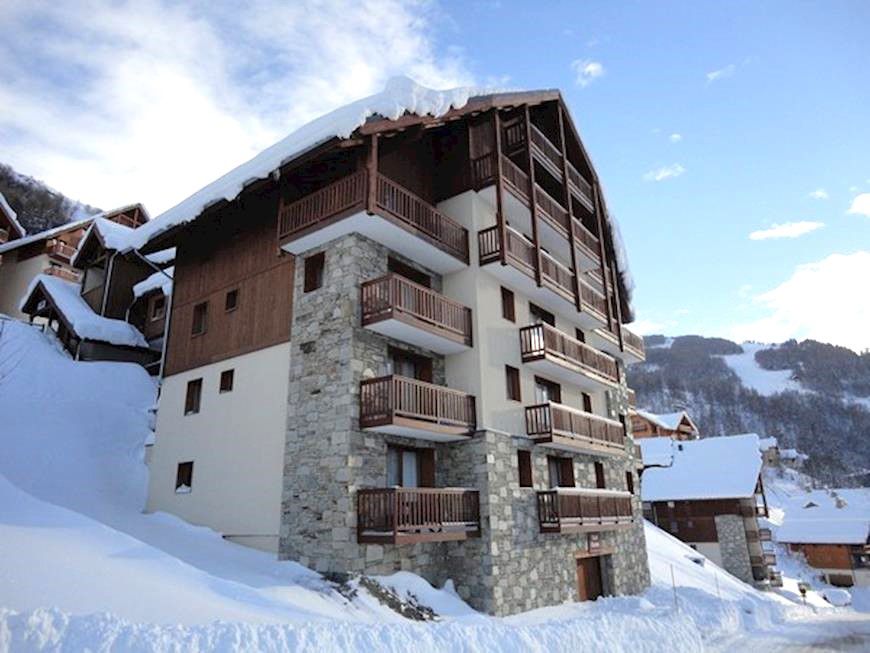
{"x": 678, "y": 425}
{"x": 92, "y": 318}
{"x": 709, "y": 494}
{"x": 831, "y": 528}
{"x": 10, "y": 228}
{"x": 399, "y": 342}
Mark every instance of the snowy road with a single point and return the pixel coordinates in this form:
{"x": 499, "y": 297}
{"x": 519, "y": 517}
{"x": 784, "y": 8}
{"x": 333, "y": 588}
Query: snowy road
{"x": 838, "y": 632}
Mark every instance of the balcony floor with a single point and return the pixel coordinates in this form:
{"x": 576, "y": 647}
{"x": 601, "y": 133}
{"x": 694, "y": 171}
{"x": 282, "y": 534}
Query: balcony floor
{"x": 578, "y": 444}
{"x": 406, "y": 328}
{"x": 390, "y": 233}
{"x": 567, "y": 525}
{"x": 418, "y": 428}
{"x": 562, "y": 370}
{"x": 443, "y": 533}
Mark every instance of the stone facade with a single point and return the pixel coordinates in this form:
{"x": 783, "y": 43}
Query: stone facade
{"x": 733, "y": 546}
{"x": 512, "y": 567}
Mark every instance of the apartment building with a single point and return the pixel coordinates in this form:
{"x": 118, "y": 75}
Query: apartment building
{"x": 709, "y": 494}
{"x": 399, "y": 343}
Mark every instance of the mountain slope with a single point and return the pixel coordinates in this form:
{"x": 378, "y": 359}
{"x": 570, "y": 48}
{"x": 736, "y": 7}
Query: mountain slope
{"x": 38, "y": 206}
{"x": 811, "y": 396}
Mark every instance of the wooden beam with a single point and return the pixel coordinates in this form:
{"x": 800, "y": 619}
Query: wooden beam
{"x": 499, "y": 191}
{"x": 566, "y": 196}
{"x": 372, "y": 172}
{"x": 533, "y": 201}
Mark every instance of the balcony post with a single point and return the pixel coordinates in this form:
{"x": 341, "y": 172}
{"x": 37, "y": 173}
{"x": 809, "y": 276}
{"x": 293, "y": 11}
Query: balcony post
{"x": 566, "y": 196}
{"x": 533, "y": 199}
{"x": 372, "y": 175}
{"x": 499, "y": 190}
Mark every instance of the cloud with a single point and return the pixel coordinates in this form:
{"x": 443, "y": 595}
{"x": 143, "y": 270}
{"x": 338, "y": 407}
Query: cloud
{"x": 722, "y": 73}
{"x": 647, "y": 327}
{"x": 587, "y": 71}
{"x": 664, "y": 172}
{"x": 148, "y": 101}
{"x": 786, "y": 230}
{"x": 860, "y": 205}
{"x": 818, "y": 301}
{"x": 819, "y": 194}
{"x": 675, "y": 138}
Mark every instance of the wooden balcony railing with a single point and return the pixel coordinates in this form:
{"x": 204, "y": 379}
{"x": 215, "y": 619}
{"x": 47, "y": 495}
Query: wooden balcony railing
{"x": 389, "y": 398}
{"x": 572, "y": 427}
{"x": 775, "y": 578}
{"x": 548, "y": 154}
{"x": 515, "y": 179}
{"x": 756, "y": 561}
{"x": 633, "y": 342}
{"x": 552, "y": 212}
{"x": 64, "y": 273}
{"x": 520, "y": 250}
{"x": 349, "y": 194}
{"x": 765, "y": 534}
{"x": 769, "y": 558}
{"x": 541, "y": 340}
{"x": 401, "y": 515}
{"x": 581, "y": 187}
{"x": 578, "y": 510}
{"x": 632, "y": 398}
{"x": 557, "y": 277}
{"x": 60, "y": 250}
{"x": 593, "y": 300}
{"x": 394, "y": 296}
{"x": 586, "y": 239}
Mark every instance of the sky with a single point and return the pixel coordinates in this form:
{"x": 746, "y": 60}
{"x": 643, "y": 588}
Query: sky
{"x": 732, "y": 139}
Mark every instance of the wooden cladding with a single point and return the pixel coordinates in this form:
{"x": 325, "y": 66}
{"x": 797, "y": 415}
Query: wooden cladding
{"x": 393, "y": 296}
{"x": 408, "y": 515}
{"x": 62, "y": 272}
{"x": 634, "y": 343}
{"x": 561, "y": 511}
{"x": 350, "y": 194}
{"x": 556, "y": 423}
{"x": 544, "y": 341}
{"x": 387, "y": 399}
{"x": 59, "y": 250}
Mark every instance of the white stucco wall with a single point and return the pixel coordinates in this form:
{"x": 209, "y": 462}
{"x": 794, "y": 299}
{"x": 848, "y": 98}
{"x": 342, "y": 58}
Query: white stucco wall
{"x": 236, "y": 443}
{"x": 15, "y": 278}
{"x": 710, "y": 550}
{"x": 496, "y": 340}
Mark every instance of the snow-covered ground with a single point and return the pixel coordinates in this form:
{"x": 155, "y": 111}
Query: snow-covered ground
{"x": 81, "y": 567}
{"x": 753, "y": 376}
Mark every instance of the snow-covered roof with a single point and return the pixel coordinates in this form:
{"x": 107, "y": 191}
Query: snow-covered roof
{"x": 162, "y": 257}
{"x": 81, "y": 318}
{"x": 838, "y": 516}
{"x": 44, "y": 235}
{"x": 111, "y": 234}
{"x": 792, "y": 454}
{"x": 713, "y": 468}
{"x": 161, "y": 279}
{"x": 13, "y": 217}
{"x": 656, "y": 451}
{"x": 767, "y": 443}
{"x": 670, "y": 421}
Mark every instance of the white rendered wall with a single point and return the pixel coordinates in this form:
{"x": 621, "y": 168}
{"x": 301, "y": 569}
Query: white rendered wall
{"x": 15, "y": 278}
{"x": 236, "y": 442}
{"x": 711, "y": 550}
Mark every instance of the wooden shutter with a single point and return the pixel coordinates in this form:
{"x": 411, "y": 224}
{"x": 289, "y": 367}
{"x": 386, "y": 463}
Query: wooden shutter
{"x": 566, "y": 472}
{"x": 524, "y": 463}
{"x": 427, "y": 467}
{"x": 508, "y": 310}
{"x": 599, "y": 476}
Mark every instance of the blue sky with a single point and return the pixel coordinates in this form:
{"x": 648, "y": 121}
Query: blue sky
{"x": 742, "y": 110}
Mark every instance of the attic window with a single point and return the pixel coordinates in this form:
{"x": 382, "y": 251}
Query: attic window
{"x": 158, "y": 308}
{"x": 231, "y": 302}
{"x": 184, "y": 478}
{"x": 200, "y": 319}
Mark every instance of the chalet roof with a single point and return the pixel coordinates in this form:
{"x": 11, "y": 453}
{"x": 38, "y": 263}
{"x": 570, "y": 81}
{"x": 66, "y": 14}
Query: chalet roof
{"x": 767, "y": 443}
{"x": 108, "y": 235}
{"x": 159, "y": 280}
{"x": 402, "y": 102}
{"x": 44, "y": 235}
{"x": 713, "y": 468}
{"x": 12, "y": 216}
{"x": 834, "y": 516}
{"x": 77, "y": 315}
{"x": 670, "y": 421}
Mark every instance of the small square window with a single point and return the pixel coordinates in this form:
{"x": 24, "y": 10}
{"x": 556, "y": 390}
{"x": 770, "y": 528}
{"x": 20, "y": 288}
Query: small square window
{"x": 231, "y": 302}
{"x": 314, "y": 271}
{"x": 508, "y": 309}
{"x": 193, "y": 396}
{"x": 227, "y": 381}
{"x": 158, "y": 308}
{"x": 200, "y": 319}
{"x": 512, "y": 379}
{"x": 184, "y": 478}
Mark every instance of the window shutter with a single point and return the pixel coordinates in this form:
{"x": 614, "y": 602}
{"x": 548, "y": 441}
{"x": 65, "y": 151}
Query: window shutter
{"x": 524, "y": 464}
{"x": 427, "y": 467}
{"x": 566, "y": 472}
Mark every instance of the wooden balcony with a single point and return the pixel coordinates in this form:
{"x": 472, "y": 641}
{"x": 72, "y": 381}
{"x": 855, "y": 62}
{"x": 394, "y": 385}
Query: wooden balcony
{"x": 60, "y": 251}
{"x": 769, "y": 558}
{"x": 775, "y": 578}
{"x": 399, "y": 308}
{"x": 559, "y": 427}
{"x": 588, "y": 253}
{"x": 581, "y": 188}
{"x": 400, "y": 515}
{"x": 61, "y": 272}
{"x": 341, "y": 208}
{"x": 416, "y": 409}
{"x": 753, "y": 511}
{"x": 554, "y": 353}
{"x": 570, "y": 510}
{"x": 765, "y": 535}
{"x": 632, "y": 398}
{"x": 633, "y": 346}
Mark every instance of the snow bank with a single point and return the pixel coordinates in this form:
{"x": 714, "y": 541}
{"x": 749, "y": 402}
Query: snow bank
{"x": 83, "y": 320}
{"x": 161, "y": 279}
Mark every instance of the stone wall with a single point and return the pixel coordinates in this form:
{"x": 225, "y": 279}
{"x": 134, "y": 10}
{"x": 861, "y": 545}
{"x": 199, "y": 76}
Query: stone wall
{"x": 732, "y": 543}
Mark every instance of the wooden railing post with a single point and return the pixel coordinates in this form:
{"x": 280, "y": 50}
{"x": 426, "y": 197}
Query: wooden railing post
{"x": 372, "y": 174}
{"x": 499, "y": 190}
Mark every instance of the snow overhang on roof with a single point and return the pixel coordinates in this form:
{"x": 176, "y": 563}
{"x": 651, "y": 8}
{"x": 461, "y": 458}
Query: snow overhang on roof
{"x": 401, "y": 101}
{"x": 110, "y": 235}
{"x": 44, "y": 235}
{"x": 670, "y": 421}
{"x": 12, "y": 216}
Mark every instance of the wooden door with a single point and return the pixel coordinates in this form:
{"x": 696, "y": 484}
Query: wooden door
{"x": 589, "y": 585}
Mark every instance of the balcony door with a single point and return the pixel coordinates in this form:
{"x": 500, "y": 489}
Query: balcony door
{"x": 412, "y": 366}
{"x": 408, "y": 467}
{"x": 547, "y": 391}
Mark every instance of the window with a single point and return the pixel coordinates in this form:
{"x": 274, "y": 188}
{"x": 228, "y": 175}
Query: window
{"x": 200, "y": 319}
{"x": 227, "y": 380}
{"x": 413, "y": 366}
{"x": 314, "y": 271}
{"x": 561, "y": 471}
{"x": 599, "y": 476}
{"x": 184, "y": 478}
{"x": 524, "y": 464}
{"x": 407, "y": 467}
{"x": 157, "y": 308}
{"x": 546, "y": 391}
{"x": 231, "y": 301}
{"x": 587, "y": 402}
{"x": 579, "y": 335}
{"x": 629, "y": 482}
{"x": 405, "y": 270}
{"x": 539, "y": 315}
{"x": 194, "y": 394}
{"x": 508, "y": 310}
{"x": 512, "y": 379}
